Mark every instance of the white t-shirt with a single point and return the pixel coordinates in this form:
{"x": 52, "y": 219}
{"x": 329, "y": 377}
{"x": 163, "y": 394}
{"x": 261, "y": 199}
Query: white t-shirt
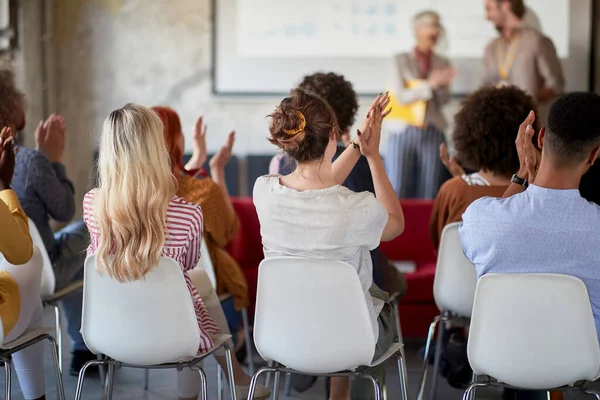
{"x": 329, "y": 224}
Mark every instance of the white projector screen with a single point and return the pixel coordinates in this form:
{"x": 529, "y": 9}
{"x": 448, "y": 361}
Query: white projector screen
{"x": 266, "y": 46}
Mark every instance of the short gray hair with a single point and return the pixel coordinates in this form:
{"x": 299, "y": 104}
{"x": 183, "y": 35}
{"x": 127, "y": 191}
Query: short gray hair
{"x": 419, "y": 18}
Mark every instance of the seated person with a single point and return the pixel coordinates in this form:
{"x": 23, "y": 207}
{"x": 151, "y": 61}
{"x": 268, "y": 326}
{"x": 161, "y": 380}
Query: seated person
{"x": 485, "y": 129}
{"x": 545, "y": 227}
{"x": 350, "y": 224}
{"x": 45, "y": 192}
{"x": 134, "y": 217}
{"x": 19, "y": 311}
{"x": 220, "y": 220}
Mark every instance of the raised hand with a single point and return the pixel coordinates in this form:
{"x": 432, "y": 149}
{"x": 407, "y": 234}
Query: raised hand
{"x": 7, "y": 158}
{"x": 50, "y": 137}
{"x": 450, "y": 162}
{"x": 369, "y": 138}
{"x": 220, "y": 160}
{"x": 526, "y": 149}
{"x": 199, "y": 153}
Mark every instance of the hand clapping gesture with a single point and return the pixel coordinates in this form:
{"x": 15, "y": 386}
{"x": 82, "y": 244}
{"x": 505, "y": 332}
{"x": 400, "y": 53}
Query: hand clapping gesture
{"x": 7, "y": 157}
{"x": 369, "y": 136}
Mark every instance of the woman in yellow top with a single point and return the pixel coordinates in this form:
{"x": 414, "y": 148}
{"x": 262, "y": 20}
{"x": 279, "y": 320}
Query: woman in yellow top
{"x": 17, "y": 248}
{"x": 220, "y": 219}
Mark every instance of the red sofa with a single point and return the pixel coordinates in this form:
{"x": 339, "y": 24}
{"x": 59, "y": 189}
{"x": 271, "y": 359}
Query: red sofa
{"x": 417, "y": 308}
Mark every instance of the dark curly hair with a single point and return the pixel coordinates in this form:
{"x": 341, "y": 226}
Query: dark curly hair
{"x": 11, "y": 101}
{"x": 338, "y": 92}
{"x": 486, "y": 128}
{"x": 573, "y": 127}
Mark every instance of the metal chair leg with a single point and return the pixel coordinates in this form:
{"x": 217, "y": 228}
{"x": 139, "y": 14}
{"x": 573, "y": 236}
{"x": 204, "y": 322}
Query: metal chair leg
{"x": 108, "y": 388}
{"x": 248, "y": 339}
{"x": 436, "y": 360}
{"x": 426, "y": 360}
{"x": 146, "y": 378}
{"x": 402, "y": 375}
{"x": 58, "y": 334}
{"x": 470, "y": 390}
{"x": 287, "y": 387}
{"x": 101, "y": 370}
{"x": 591, "y": 392}
{"x": 255, "y": 377}
{"x": 376, "y": 388}
{"x": 203, "y": 386}
{"x": 275, "y": 394}
{"x": 55, "y": 358}
{"x": 82, "y": 374}
{"x": 8, "y": 373}
{"x": 270, "y": 364}
{"x": 229, "y": 359}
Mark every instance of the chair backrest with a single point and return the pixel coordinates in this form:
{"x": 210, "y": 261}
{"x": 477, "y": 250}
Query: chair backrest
{"x": 145, "y": 322}
{"x": 533, "y": 331}
{"x": 48, "y": 284}
{"x": 455, "y": 277}
{"x": 28, "y": 277}
{"x": 312, "y": 316}
{"x": 206, "y": 264}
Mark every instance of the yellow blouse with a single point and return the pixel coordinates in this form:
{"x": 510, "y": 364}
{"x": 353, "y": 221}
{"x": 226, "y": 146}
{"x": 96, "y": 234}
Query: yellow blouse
{"x": 220, "y": 226}
{"x": 17, "y": 248}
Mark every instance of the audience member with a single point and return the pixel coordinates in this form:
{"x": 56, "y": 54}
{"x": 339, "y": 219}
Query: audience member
{"x": 350, "y": 224}
{"x": 485, "y": 129}
{"x": 20, "y": 305}
{"x": 134, "y": 217}
{"x": 45, "y": 192}
{"x": 220, "y": 220}
{"x": 543, "y": 225}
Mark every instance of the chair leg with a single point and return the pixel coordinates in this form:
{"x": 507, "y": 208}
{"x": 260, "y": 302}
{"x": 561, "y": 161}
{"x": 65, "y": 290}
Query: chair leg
{"x": 56, "y": 359}
{"x": 275, "y": 394}
{"x": 436, "y": 360}
{"x": 203, "y": 387}
{"x": 101, "y": 370}
{"x": 402, "y": 375}
{"x": 146, "y": 378}
{"x": 8, "y": 373}
{"x": 287, "y": 387}
{"x": 108, "y": 388}
{"x": 426, "y": 360}
{"x": 470, "y": 392}
{"x": 268, "y": 377}
{"x": 376, "y": 389}
{"x": 591, "y": 392}
{"x": 255, "y": 377}
{"x": 82, "y": 374}
{"x": 58, "y": 333}
{"x": 249, "y": 344}
{"x": 229, "y": 359}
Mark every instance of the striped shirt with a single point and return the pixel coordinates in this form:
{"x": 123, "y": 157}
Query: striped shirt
{"x": 182, "y": 244}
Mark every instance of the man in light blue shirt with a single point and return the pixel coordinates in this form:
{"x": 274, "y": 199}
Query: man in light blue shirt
{"x": 546, "y": 227}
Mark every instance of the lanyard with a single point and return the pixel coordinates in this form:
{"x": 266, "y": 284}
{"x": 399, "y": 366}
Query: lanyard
{"x": 504, "y": 66}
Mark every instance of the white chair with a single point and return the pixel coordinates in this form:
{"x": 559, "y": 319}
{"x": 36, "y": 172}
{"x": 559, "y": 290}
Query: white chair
{"x": 533, "y": 332}
{"x": 453, "y": 290}
{"x": 50, "y": 297}
{"x": 149, "y": 323}
{"x": 206, "y": 264}
{"x": 312, "y": 318}
{"x": 20, "y": 337}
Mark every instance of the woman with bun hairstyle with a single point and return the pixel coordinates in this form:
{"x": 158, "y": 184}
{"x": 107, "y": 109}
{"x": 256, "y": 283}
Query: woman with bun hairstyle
{"x": 308, "y": 213}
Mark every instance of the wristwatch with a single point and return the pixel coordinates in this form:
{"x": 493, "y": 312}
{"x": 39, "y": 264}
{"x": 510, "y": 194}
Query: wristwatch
{"x": 519, "y": 181}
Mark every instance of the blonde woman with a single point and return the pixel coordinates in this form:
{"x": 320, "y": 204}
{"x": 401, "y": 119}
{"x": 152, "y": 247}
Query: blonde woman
{"x": 134, "y": 218}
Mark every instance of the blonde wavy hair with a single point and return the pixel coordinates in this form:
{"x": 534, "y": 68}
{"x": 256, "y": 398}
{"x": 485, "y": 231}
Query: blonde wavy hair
{"x": 135, "y": 188}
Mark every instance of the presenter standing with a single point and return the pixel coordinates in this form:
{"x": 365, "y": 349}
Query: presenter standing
{"x": 522, "y": 56}
{"x": 421, "y": 89}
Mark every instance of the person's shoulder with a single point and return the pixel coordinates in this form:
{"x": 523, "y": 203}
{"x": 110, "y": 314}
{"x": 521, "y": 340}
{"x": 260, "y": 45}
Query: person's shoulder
{"x": 356, "y": 200}
{"x": 265, "y": 182}
{"x": 440, "y": 59}
{"x": 26, "y": 156}
{"x": 490, "y": 207}
{"x": 454, "y": 185}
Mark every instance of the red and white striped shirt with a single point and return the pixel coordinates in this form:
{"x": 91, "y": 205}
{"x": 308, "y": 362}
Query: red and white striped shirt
{"x": 182, "y": 244}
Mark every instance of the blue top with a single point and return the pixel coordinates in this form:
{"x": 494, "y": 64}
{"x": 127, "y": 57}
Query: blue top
{"x": 44, "y": 192}
{"x": 538, "y": 231}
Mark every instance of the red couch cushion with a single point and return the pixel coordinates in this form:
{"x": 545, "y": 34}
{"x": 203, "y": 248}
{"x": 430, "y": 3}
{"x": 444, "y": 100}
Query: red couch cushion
{"x": 419, "y": 284}
{"x": 414, "y": 244}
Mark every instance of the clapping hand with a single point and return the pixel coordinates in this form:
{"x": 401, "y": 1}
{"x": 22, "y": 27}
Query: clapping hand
{"x": 529, "y": 156}
{"x": 220, "y": 160}
{"x": 369, "y": 136}
{"x": 7, "y": 158}
{"x": 450, "y": 162}
{"x": 50, "y": 137}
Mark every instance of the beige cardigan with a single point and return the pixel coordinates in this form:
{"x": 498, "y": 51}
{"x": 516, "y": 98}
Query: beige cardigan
{"x": 406, "y": 69}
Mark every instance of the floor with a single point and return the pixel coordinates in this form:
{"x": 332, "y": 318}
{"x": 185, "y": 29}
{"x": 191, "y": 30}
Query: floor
{"x": 129, "y": 382}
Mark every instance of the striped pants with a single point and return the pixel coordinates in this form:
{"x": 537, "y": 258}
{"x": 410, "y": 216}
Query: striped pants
{"x": 412, "y": 162}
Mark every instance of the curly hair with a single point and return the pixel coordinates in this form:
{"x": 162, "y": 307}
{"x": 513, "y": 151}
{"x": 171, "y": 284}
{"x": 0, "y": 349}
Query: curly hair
{"x": 11, "y": 100}
{"x": 336, "y": 91}
{"x": 486, "y": 128}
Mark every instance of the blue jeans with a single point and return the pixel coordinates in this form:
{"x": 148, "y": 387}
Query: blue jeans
{"x": 233, "y": 317}
{"x": 68, "y": 256}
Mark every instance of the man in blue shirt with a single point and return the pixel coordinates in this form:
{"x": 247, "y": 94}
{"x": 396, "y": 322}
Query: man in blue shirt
{"x": 543, "y": 225}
